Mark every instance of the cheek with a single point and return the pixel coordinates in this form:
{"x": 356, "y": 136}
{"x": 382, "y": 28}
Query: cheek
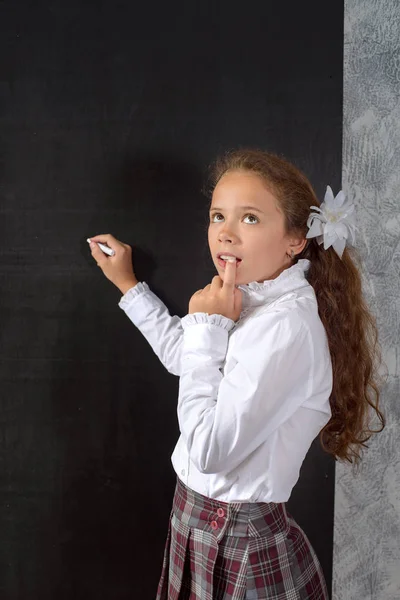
{"x": 267, "y": 245}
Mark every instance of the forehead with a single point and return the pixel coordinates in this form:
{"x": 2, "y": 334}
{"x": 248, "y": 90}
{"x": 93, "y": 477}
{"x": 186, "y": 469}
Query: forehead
{"x": 239, "y": 189}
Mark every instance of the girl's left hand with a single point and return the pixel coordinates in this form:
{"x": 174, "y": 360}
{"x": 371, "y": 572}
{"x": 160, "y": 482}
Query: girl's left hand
{"x": 220, "y": 297}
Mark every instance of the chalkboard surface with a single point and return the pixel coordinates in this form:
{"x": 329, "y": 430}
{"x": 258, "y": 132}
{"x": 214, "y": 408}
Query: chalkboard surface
{"x": 110, "y": 114}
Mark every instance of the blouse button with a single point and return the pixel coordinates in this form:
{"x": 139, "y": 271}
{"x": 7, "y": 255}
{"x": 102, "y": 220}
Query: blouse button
{"x": 214, "y": 524}
{"x": 220, "y": 512}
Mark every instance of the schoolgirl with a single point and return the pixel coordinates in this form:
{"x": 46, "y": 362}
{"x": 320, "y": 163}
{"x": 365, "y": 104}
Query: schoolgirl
{"x": 279, "y": 348}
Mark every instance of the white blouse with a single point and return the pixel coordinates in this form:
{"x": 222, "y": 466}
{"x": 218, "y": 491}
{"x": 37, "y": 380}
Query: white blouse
{"x": 253, "y": 394}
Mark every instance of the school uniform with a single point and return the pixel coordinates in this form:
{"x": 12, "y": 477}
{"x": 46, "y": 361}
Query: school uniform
{"x": 253, "y": 395}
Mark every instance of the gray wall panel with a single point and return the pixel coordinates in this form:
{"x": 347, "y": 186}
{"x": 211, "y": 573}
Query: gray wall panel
{"x": 367, "y": 506}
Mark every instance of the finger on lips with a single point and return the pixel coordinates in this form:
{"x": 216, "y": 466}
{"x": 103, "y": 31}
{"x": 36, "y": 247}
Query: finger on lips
{"x": 230, "y": 273}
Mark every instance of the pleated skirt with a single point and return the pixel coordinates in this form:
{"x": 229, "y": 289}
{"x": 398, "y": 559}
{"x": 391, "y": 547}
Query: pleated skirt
{"x": 236, "y": 551}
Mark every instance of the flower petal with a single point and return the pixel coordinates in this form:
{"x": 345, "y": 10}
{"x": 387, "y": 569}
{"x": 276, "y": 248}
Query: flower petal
{"x": 348, "y": 206}
{"x": 339, "y": 246}
{"x": 324, "y": 209}
{"x": 341, "y": 230}
{"x": 330, "y": 228}
{"x": 329, "y": 239}
{"x": 352, "y": 235}
{"x": 315, "y": 229}
{"x": 329, "y": 197}
{"x": 339, "y": 200}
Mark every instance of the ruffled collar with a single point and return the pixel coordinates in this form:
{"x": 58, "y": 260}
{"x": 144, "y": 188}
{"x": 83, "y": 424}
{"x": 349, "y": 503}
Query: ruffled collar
{"x": 257, "y": 293}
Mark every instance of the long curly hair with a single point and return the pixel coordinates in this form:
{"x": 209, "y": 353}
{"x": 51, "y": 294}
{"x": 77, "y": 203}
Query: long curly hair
{"x": 351, "y": 328}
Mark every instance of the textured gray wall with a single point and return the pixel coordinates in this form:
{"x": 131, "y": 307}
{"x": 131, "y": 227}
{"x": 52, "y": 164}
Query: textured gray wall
{"x": 366, "y": 563}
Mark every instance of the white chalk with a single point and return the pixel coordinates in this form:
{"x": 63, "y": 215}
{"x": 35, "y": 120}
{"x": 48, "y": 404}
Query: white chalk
{"x": 105, "y": 249}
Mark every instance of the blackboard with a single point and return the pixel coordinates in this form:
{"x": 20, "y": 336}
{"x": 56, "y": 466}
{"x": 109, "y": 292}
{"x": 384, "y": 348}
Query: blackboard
{"x": 111, "y": 113}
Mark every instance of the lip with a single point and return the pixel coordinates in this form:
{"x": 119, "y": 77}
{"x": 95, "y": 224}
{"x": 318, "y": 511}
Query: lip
{"x": 222, "y": 263}
{"x": 228, "y": 254}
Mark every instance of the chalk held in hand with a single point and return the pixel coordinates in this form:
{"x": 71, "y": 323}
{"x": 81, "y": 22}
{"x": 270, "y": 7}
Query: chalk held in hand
{"x": 105, "y": 249}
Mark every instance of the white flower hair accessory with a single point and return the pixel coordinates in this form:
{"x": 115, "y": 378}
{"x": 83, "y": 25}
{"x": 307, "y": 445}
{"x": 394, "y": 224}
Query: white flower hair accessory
{"x": 333, "y": 224}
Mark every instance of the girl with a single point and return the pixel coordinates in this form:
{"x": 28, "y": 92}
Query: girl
{"x": 278, "y": 348}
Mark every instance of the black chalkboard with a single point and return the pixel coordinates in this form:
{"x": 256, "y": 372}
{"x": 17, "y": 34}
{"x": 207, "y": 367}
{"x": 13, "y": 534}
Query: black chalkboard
{"x": 110, "y": 114}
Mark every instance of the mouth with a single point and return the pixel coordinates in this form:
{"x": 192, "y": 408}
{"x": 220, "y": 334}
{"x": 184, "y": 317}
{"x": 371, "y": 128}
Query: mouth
{"x": 223, "y": 257}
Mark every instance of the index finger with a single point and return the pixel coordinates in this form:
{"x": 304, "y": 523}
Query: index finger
{"x": 230, "y": 275}
{"x": 106, "y": 238}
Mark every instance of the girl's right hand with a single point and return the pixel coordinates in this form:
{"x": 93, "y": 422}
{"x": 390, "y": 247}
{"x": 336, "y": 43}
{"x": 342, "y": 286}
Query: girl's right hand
{"x": 118, "y": 268}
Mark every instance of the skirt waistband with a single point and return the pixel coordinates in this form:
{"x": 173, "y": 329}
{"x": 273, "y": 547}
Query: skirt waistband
{"x": 239, "y": 519}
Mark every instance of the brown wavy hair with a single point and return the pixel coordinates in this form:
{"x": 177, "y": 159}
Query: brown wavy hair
{"x": 351, "y": 328}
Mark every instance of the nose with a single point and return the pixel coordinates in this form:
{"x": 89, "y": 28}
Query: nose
{"x": 225, "y": 236}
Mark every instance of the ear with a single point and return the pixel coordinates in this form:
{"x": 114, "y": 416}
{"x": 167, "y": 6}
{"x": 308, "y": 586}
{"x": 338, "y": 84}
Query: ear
{"x": 297, "y": 245}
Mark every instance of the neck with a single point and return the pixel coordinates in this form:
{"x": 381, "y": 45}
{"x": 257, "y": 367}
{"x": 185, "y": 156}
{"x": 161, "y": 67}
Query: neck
{"x": 276, "y": 274}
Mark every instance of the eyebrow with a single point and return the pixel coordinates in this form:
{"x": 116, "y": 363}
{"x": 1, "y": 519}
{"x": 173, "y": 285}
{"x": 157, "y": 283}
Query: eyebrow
{"x": 242, "y": 207}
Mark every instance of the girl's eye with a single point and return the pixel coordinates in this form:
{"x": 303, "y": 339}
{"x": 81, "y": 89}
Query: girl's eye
{"x": 253, "y": 217}
{"x": 248, "y": 215}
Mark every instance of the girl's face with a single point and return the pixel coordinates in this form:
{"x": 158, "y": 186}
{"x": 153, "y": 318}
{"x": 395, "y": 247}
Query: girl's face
{"x": 246, "y": 221}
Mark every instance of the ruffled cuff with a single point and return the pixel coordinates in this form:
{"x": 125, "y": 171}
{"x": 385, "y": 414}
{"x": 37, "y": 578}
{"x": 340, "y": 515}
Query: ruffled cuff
{"x": 134, "y": 291}
{"x": 202, "y": 317}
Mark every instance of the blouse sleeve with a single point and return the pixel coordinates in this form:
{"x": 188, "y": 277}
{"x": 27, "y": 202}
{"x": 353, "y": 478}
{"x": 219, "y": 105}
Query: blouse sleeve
{"x": 163, "y": 331}
{"x": 223, "y": 419}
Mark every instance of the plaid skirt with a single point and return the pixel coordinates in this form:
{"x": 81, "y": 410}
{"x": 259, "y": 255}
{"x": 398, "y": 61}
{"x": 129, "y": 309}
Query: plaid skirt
{"x": 236, "y": 551}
